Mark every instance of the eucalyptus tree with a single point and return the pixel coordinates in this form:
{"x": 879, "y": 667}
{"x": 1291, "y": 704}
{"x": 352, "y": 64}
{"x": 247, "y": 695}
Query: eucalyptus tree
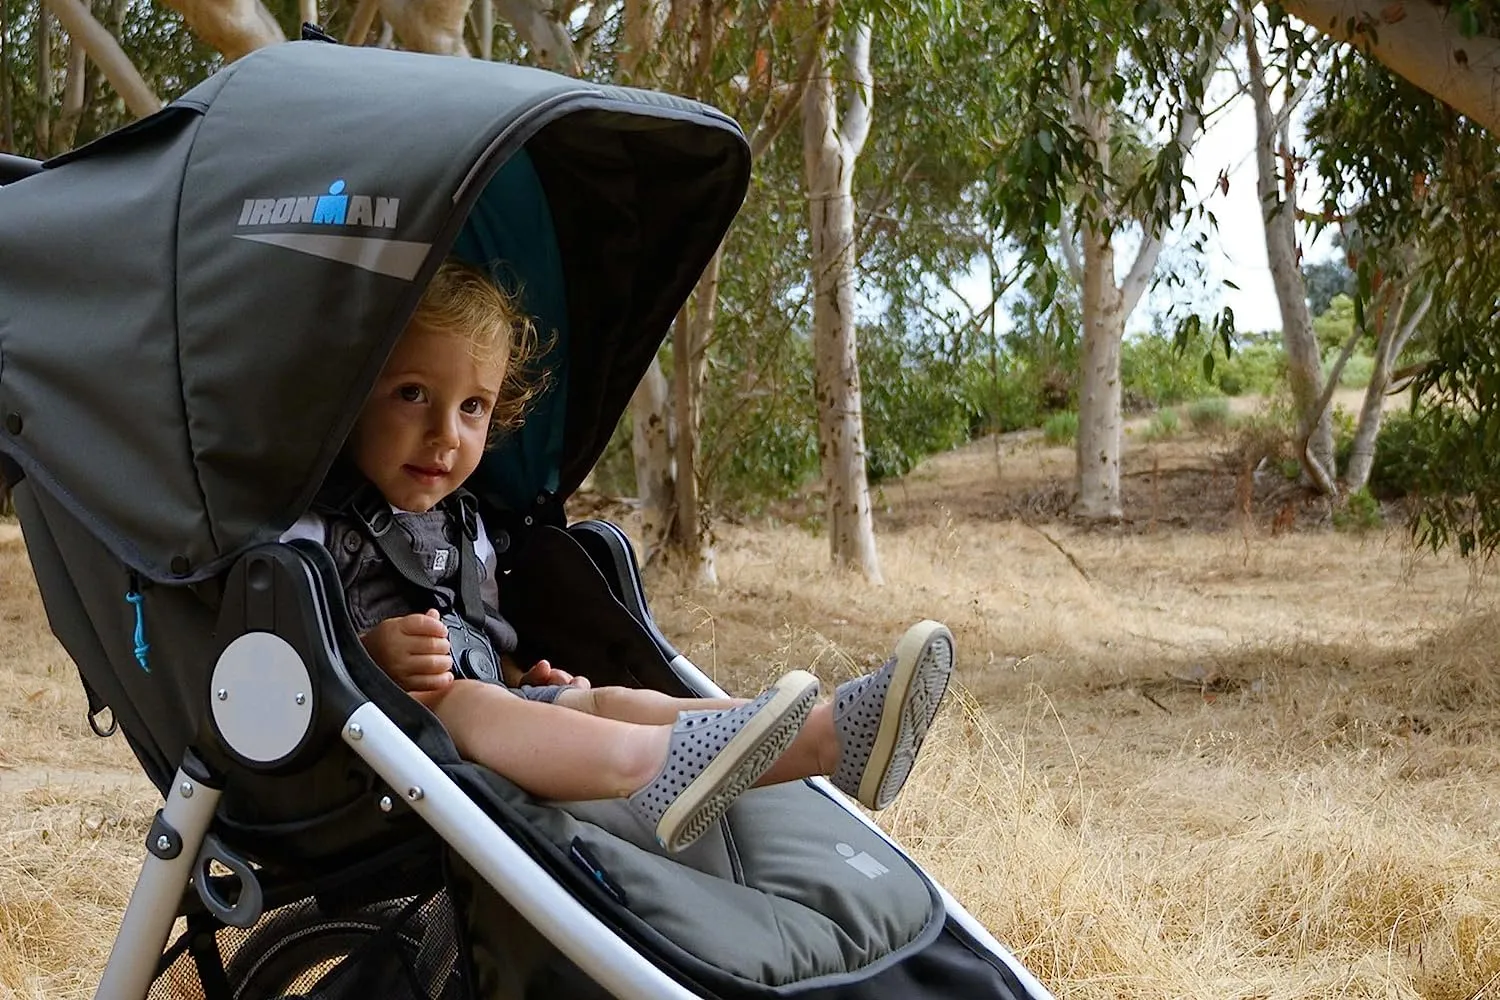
{"x": 1111, "y": 101}
{"x": 1277, "y": 186}
{"x": 831, "y": 143}
{"x": 1419, "y": 179}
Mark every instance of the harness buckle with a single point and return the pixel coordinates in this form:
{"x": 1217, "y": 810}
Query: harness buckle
{"x": 373, "y": 512}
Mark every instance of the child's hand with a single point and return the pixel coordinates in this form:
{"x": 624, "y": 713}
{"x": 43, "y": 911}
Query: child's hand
{"x": 544, "y": 674}
{"x": 414, "y": 650}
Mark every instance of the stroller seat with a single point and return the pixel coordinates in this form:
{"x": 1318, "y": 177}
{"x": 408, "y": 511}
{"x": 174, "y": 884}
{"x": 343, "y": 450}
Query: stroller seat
{"x": 319, "y": 834}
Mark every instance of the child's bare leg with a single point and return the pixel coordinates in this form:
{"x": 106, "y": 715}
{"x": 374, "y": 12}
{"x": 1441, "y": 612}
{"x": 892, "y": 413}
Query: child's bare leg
{"x": 642, "y": 706}
{"x": 814, "y": 751}
{"x": 678, "y": 778}
{"x": 550, "y": 752}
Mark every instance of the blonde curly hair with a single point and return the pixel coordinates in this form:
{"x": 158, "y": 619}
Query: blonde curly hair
{"x": 463, "y": 301}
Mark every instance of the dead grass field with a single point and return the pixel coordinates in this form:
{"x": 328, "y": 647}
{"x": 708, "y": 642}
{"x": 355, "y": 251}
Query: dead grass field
{"x": 1186, "y": 758}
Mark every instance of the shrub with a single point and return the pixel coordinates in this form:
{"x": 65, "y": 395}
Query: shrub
{"x": 1358, "y": 512}
{"x": 909, "y": 405}
{"x": 1231, "y": 383}
{"x": 1257, "y": 366}
{"x": 1209, "y": 415}
{"x": 1164, "y": 424}
{"x": 1061, "y": 428}
{"x": 1154, "y": 371}
{"x": 1357, "y": 371}
{"x": 1007, "y": 397}
{"x": 1403, "y": 456}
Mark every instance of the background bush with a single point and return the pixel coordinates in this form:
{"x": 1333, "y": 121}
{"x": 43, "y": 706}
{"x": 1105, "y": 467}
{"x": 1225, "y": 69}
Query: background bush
{"x": 1060, "y": 428}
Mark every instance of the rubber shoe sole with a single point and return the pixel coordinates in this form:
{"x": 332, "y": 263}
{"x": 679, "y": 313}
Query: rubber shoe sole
{"x": 924, "y": 665}
{"x": 747, "y": 756}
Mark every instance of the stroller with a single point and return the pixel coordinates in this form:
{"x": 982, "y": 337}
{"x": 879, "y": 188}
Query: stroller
{"x": 192, "y": 310}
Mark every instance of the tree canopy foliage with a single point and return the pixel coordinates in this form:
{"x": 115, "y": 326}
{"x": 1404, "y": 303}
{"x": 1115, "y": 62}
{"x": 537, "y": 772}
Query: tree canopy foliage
{"x": 978, "y": 177}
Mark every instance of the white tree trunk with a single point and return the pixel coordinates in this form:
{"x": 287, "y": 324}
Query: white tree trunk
{"x": 1395, "y": 332}
{"x": 483, "y": 14}
{"x": 1421, "y": 41}
{"x": 1100, "y": 420}
{"x": 233, "y": 27}
{"x": 688, "y": 539}
{"x": 1279, "y": 215}
{"x": 542, "y": 31}
{"x": 651, "y": 444}
{"x": 102, "y": 47}
{"x": 654, "y": 434}
{"x": 1371, "y": 412}
{"x": 641, "y": 28}
{"x": 830, "y": 148}
{"x": 429, "y": 25}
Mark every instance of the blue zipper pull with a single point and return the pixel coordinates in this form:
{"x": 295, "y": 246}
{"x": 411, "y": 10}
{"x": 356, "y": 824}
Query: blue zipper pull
{"x": 142, "y": 647}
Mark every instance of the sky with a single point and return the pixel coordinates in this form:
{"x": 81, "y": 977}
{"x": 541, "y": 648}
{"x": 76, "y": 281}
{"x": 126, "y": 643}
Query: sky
{"x": 1234, "y": 251}
{"x": 1237, "y": 250}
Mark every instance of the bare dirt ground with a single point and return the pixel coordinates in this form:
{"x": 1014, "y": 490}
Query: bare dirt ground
{"x": 1214, "y": 751}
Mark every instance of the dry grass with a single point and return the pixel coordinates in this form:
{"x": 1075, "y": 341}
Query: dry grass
{"x": 1192, "y": 765}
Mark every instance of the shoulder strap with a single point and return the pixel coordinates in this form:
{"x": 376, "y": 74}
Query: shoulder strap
{"x": 463, "y": 508}
{"x": 373, "y": 514}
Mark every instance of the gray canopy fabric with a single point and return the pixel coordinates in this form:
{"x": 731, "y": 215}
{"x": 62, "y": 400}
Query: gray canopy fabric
{"x": 192, "y": 308}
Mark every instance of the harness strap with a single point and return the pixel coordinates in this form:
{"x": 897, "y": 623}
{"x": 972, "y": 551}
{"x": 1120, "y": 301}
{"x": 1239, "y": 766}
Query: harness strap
{"x": 373, "y": 514}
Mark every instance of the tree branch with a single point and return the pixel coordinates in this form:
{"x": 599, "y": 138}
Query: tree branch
{"x": 482, "y": 20}
{"x": 540, "y": 30}
{"x": 361, "y": 22}
{"x": 855, "y": 128}
{"x": 107, "y": 55}
{"x": 234, "y": 27}
{"x": 1069, "y": 249}
{"x": 780, "y": 110}
{"x": 1141, "y": 270}
{"x": 592, "y": 22}
{"x": 429, "y": 25}
{"x": 1420, "y": 41}
{"x": 1402, "y": 338}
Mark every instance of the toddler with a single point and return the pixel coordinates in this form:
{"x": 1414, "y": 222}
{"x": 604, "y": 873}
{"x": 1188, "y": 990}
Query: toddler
{"x": 419, "y": 576}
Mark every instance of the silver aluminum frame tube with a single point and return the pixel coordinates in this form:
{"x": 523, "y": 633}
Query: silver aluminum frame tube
{"x": 545, "y": 904}
{"x": 158, "y": 894}
{"x": 705, "y": 687}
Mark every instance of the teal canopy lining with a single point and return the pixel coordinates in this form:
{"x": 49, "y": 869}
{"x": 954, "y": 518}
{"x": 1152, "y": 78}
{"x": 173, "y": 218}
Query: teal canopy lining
{"x": 509, "y": 233}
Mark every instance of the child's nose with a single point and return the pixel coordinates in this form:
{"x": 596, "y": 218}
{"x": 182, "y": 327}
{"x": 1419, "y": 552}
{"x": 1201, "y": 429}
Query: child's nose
{"x": 444, "y": 430}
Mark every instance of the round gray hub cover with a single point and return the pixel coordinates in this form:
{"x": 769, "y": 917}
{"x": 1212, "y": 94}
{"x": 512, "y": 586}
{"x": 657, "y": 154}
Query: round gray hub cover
{"x": 262, "y": 697}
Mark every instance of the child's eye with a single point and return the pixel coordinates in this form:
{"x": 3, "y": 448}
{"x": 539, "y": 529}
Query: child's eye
{"x": 475, "y": 406}
{"x": 410, "y": 393}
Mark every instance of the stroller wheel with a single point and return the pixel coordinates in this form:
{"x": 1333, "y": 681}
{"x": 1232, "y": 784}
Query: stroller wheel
{"x": 302, "y": 953}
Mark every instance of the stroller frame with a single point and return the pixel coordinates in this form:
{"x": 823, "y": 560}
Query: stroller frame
{"x": 179, "y": 848}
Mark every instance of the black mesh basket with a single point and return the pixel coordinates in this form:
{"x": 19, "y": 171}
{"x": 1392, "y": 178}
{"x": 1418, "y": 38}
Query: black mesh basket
{"x": 401, "y": 949}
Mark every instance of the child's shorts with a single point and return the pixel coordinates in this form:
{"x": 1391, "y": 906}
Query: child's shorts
{"x": 540, "y": 692}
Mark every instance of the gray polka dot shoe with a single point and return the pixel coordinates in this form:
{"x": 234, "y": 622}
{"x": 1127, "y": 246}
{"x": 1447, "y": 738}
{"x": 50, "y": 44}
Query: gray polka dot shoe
{"x": 880, "y": 719}
{"x": 715, "y": 755}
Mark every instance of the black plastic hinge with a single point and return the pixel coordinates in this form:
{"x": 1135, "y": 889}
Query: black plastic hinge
{"x": 315, "y": 33}
{"x": 162, "y": 840}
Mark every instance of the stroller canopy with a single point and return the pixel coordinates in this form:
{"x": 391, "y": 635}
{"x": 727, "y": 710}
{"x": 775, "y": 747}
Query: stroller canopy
{"x": 193, "y": 308}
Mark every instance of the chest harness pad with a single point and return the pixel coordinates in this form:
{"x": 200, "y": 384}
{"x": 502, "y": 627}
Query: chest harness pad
{"x": 395, "y": 563}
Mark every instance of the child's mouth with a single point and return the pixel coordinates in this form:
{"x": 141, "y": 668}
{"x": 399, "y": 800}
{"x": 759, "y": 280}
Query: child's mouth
{"x": 425, "y": 474}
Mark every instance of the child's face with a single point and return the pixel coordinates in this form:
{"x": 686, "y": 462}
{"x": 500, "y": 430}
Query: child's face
{"x": 424, "y": 427}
